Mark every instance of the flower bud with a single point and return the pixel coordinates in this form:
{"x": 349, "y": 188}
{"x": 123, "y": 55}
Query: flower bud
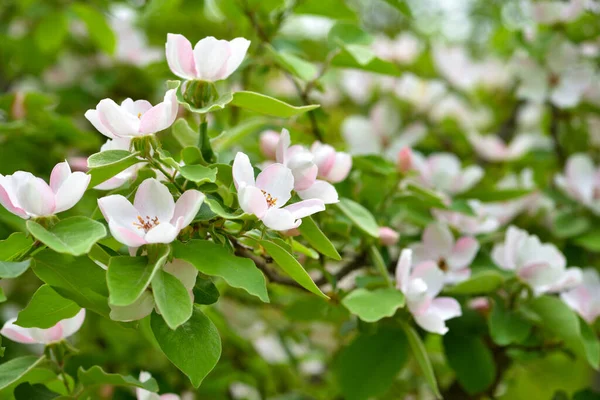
{"x": 268, "y": 143}
{"x": 388, "y": 236}
{"x": 405, "y": 159}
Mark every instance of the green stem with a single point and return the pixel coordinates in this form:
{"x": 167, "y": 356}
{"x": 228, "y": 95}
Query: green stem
{"x": 171, "y": 178}
{"x": 375, "y": 256}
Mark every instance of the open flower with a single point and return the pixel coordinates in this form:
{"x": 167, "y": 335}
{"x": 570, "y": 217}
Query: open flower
{"x": 482, "y": 222}
{"x": 334, "y": 166}
{"x": 124, "y": 176}
{"x": 541, "y": 265}
{"x": 27, "y": 196}
{"x": 492, "y": 148}
{"x": 421, "y": 284}
{"x": 154, "y": 216}
{"x": 443, "y": 172}
{"x": 585, "y": 298}
{"x": 210, "y": 60}
{"x": 133, "y": 118}
{"x": 58, "y": 332}
{"x": 452, "y": 257}
{"x": 142, "y": 394}
{"x": 580, "y": 181}
{"x": 266, "y": 195}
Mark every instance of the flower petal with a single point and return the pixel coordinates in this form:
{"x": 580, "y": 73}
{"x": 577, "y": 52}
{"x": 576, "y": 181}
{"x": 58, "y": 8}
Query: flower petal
{"x": 305, "y": 208}
{"x": 341, "y": 167}
{"x": 16, "y": 333}
{"x": 252, "y": 201}
{"x": 117, "y": 120}
{"x": 118, "y": 209}
{"x": 71, "y": 191}
{"x": 239, "y": 48}
{"x": 403, "y": 270}
{"x": 282, "y": 146}
{"x": 321, "y": 190}
{"x": 129, "y": 236}
{"x": 180, "y": 56}
{"x": 187, "y": 206}
{"x": 161, "y": 116}
{"x": 438, "y": 240}
{"x": 154, "y": 200}
{"x": 36, "y": 197}
{"x": 59, "y": 175}
{"x": 210, "y": 56}
{"x": 8, "y": 197}
{"x": 439, "y": 311}
{"x": 242, "y": 171}
{"x": 280, "y": 219}
{"x": 432, "y": 275}
{"x": 163, "y": 233}
{"x": 72, "y": 325}
{"x": 278, "y": 181}
{"x": 464, "y": 251}
{"x": 94, "y": 118}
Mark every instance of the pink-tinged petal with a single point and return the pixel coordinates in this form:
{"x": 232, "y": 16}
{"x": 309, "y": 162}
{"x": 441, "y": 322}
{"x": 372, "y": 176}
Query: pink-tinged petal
{"x": 94, "y": 118}
{"x": 161, "y": 116}
{"x": 462, "y": 255}
{"x": 438, "y": 240}
{"x": 305, "y": 208}
{"x": 59, "y": 175}
{"x": 388, "y": 236}
{"x": 239, "y": 48}
{"x": 282, "y": 146}
{"x": 180, "y": 56}
{"x": 280, "y": 219}
{"x": 72, "y": 325}
{"x": 404, "y": 160}
{"x": 117, "y": 120}
{"x": 210, "y": 56}
{"x": 242, "y": 171}
{"x": 579, "y": 299}
{"x": 71, "y": 191}
{"x": 140, "y": 107}
{"x": 139, "y": 309}
{"x": 187, "y": 206}
{"x": 184, "y": 271}
{"x": 278, "y": 181}
{"x": 403, "y": 270}
{"x": 153, "y": 199}
{"x": 468, "y": 178}
{"x": 452, "y": 277}
{"x": 252, "y": 201}
{"x": 163, "y": 233}
{"x": 36, "y": 197}
{"x": 118, "y": 209}
{"x": 50, "y": 335}
{"x": 324, "y": 157}
{"x": 341, "y": 168}
{"x": 304, "y": 171}
{"x": 446, "y": 307}
{"x": 169, "y": 396}
{"x": 431, "y": 322}
{"x": 581, "y": 176}
{"x": 268, "y": 144}
{"x": 321, "y": 190}
{"x": 432, "y": 275}
{"x": 118, "y": 180}
{"x": 128, "y": 235}
{"x": 5, "y": 198}
{"x": 421, "y": 253}
{"x": 16, "y": 333}
{"x": 538, "y": 274}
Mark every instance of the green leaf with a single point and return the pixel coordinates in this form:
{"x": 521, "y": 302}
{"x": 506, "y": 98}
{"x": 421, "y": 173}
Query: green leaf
{"x": 220, "y": 210}
{"x": 14, "y": 369}
{"x": 139, "y": 309}
{"x": 268, "y": 105}
{"x": 298, "y": 67}
{"x": 360, "y": 217}
{"x": 13, "y": 269}
{"x": 494, "y": 195}
{"x": 128, "y": 277}
{"x": 74, "y": 235}
{"x": 215, "y": 260}
{"x": 97, "y": 376}
{"x": 371, "y": 306}
{"x": 292, "y": 267}
{"x": 205, "y": 292}
{"x": 472, "y": 361}
{"x": 172, "y": 299}
{"x": 184, "y": 134}
{"x": 106, "y": 164}
{"x": 429, "y": 197}
{"x": 199, "y": 173}
{"x": 590, "y": 343}
{"x": 420, "y": 353}
{"x": 98, "y": 28}
{"x": 347, "y": 33}
{"x": 75, "y": 278}
{"x": 194, "y": 347}
{"x": 480, "y": 283}
{"x": 568, "y": 224}
{"x": 236, "y": 134}
{"x": 45, "y": 309}
{"x": 14, "y": 245}
{"x": 590, "y": 240}
{"x": 369, "y": 365}
{"x": 37, "y": 391}
{"x": 317, "y": 239}
{"x": 507, "y": 326}
{"x": 191, "y": 155}
{"x": 51, "y": 31}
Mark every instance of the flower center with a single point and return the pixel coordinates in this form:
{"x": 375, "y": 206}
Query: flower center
{"x": 139, "y": 115}
{"x": 442, "y": 264}
{"x": 270, "y": 199}
{"x": 146, "y": 224}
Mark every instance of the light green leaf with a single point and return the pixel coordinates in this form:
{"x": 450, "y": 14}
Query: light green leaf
{"x": 51, "y": 31}
{"x": 268, "y": 105}
{"x": 568, "y": 224}
{"x": 371, "y": 306}
{"x": 215, "y": 260}
{"x": 220, "y": 210}
{"x": 360, "y": 216}
{"x": 184, "y": 134}
{"x": 191, "y": 155}
{"x": 14, "y": 245}
{"x": 172, "y": 299}
{"x": 128, "y": 277}
{"x": 106, "y": 164}
{"x": 369, "y": 365}
{"x": 472, "y": 361}
{"x": 97, "y": 376}
{"x": 194, "y": 347}
{"x": 429, "y": 197}
{"x": 589, "y": 240}
{"x": 198, "y": 173}
{"x": 494, "y": 195}
{"x": 480, "y": 283}
{"x": 590, "y": 343}
{"x": 139, "y": 309}
{"x": 317, "y": 239}
{"x": 292, "y": 267}
{"x": 98, "y": 28}
{"x": 14, "y": 369}
{"x": 75, "y": 278}
{"x": 74, "y": 235}
{"x": 294, "y": 64}
{"x": 13, "y": 269}
{"x": 45, "y": 309}
{"x": 344, "y": 32}
{"x": 236, "y": 134}
{"x": 420, "y": 353}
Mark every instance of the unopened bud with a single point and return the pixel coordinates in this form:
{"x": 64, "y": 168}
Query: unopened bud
{"x": 405, "y": 159}
{"x": 388, "y": 236}
{"x": 268, "y": 143}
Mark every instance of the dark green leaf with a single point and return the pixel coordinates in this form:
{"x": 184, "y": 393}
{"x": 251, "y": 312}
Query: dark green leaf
{"x": 494, "y": 195}
{"x": 172, "y": 299}
{"x": 507, "y": 326}
{"x": 472, "y": 361}
{"x": 360, "y": 216}
{"x": 98, "y": 28}
{"x": 34, "y": 392}
{"x": 12, "y": 370}
{"x": 14, "y": 245}
{"x": 97, "y": 376}
{"x": 317, "y": 239}
{"x": 480, "y": 283}
{"x": 45, "y": 309}
{"x": 567, "y": 224}
{"x": 420, "y": 353}
{"x": 205, "y": 292}
{"x": 590, "y": 240}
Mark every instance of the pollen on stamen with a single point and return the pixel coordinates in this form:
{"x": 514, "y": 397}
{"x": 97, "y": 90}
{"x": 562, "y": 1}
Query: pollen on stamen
{"x": 271, "y": 201}
{"x": 146, "y": 224}
{"x": 139, "y": 115}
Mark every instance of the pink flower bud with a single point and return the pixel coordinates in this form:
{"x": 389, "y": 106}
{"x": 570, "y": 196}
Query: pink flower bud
{"x": 268, "y": 143}
{"x": 388, "y": 236}
{"x": 405, "y": 159}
